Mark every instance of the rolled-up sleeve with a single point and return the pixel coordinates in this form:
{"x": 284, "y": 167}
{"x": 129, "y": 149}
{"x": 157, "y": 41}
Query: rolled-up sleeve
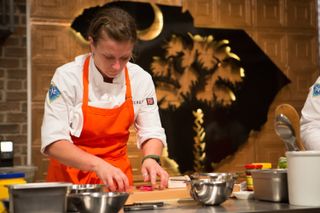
{"x": 148, "y": 123}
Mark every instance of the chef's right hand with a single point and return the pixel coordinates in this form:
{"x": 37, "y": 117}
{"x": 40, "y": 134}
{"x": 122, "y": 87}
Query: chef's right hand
{"x": 112, "y": 176}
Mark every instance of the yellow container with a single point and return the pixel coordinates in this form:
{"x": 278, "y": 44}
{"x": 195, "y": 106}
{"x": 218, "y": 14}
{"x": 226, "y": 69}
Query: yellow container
{"x": 264, "y": 165}
{"x": 8, "y": 179}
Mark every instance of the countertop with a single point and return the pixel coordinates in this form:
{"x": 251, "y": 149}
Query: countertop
{"x": 230, "y": 205}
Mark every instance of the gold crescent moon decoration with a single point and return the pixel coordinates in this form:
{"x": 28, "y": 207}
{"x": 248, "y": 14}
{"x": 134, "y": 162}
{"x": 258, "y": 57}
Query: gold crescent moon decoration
{"x": 155, "y": 28}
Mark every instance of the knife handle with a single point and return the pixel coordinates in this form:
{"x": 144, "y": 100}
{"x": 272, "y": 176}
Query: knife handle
{"x": 139, "y": 207}
{"x": 158, "y": 204}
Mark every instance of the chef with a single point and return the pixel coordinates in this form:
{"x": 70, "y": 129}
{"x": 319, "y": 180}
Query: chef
{"x": 310, "y": 118}
{"x": 91, "y": 104}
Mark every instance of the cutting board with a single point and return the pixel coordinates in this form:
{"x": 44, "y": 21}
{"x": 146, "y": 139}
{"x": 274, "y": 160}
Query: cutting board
{"x": 158, "y": 195}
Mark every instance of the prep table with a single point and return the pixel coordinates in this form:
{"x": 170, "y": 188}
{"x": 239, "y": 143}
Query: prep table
{"x": 230, "y": 205}
{"x": 179, "y": 201}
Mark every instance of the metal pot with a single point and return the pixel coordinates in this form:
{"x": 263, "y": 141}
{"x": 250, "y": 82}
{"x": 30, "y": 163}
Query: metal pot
{"x": 38, "y": 197}
{"x": 270, "y": 184}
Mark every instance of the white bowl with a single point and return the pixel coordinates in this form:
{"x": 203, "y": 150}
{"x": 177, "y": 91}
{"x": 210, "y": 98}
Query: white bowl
{"x": 243, "y": 195}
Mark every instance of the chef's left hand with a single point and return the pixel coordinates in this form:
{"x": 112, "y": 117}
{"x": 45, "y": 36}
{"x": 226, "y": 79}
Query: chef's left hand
{"x": 150, "y": 170}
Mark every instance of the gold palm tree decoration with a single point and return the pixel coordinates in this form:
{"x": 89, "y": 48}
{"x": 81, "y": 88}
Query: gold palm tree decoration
{"x": 185, "y": 62}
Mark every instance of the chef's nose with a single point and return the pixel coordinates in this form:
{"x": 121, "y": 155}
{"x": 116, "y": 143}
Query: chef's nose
{"x": 116, "y": 65}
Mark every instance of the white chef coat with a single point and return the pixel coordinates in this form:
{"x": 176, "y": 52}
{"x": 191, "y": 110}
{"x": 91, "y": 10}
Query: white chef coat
{"x": 63, "y": 114}
{"x": 310, "y": 118}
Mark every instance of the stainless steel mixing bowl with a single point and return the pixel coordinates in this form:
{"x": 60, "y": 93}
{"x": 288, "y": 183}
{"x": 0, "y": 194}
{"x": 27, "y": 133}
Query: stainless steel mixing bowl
{"x": 81, "y": 188}
{"x": 98, "y": 202}
{"x": 211, "y": 188}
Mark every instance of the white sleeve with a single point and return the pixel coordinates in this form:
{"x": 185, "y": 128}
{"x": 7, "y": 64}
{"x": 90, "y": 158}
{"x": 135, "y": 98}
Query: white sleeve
{"x": 56, "y": 119}
{"x": 310, "y": 119}
{"x": 147, "y": 123}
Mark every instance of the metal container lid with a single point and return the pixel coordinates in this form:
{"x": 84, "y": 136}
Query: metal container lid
{"x": 40, "y": 185}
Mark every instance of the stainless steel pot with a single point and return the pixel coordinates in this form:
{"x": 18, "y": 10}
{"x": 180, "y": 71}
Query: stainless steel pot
{"x": 270, "y": 184}
{"x": 38, "y": 197}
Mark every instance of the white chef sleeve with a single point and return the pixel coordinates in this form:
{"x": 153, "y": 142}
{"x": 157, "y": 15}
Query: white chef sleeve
{"x": 55, "y": 125}
{"x": 310, "y": 119}
{"x": 147, "y": 123}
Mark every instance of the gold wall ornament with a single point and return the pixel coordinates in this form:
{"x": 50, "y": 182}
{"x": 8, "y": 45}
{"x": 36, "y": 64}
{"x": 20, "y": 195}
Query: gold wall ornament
{"x": 199, "y": 141}
{"x": 80, "y": 37}
{"x": 242, "y": 73}
{"x": 215, "y": 62}
{"x": 155, "y": 28}
{"x": 149, "y": 33}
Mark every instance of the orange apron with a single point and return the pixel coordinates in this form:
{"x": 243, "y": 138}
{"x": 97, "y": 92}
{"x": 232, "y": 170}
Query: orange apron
{"x": 105, "y": 134}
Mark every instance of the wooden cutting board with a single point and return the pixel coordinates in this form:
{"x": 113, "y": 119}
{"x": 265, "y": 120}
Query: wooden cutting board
{"x": 158, "y": 195}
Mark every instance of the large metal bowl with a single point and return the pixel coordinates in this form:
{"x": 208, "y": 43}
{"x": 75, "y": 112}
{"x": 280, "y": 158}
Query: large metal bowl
{"x": 98, "y": 202}
{"x": 211, "y": 188}
{"x": 81, "y": 188}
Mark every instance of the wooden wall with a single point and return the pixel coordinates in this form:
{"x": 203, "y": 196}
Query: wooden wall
{"x": 285, "y": 29}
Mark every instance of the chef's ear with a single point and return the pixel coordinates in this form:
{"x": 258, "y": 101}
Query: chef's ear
{"x": 92, "y": 43}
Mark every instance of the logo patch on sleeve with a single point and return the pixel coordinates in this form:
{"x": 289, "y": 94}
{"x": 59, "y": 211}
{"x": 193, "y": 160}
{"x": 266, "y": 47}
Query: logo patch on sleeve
{"x": 54, "y": 92}
{"x": 150, "y": 101}
{"x": 316, "y": 90}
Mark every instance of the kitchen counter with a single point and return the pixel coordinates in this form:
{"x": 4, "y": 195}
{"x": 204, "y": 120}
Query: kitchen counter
{"x": 231, "y": 205}
{"x": 178, "y": 200}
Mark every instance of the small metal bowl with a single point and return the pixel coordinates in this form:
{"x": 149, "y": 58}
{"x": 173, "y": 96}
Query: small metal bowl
{"x": 211, "y": 188}
{"x": 98, "y": 202}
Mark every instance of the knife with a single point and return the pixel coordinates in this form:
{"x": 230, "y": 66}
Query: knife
{"x": 142, "y": 206}
{"x": 139, "y": 207}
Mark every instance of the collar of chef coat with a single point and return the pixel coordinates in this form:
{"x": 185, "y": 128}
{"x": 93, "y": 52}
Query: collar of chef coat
{"x": 103, "y": 94}
{"x": 97, "y": 77}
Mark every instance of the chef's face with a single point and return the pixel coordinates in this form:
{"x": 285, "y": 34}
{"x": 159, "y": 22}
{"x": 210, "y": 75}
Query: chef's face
{"x": 111, "y": 56}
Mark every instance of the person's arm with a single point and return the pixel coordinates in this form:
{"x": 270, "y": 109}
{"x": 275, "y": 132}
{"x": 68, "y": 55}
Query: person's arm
{"x": 150, "y": 134}
{"x": 67, "y": 153}
{"x": 71, "y": 155}
{"x": 150, "y": 168}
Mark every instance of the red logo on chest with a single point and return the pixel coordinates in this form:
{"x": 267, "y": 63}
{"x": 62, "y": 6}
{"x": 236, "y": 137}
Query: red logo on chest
{"x": 150, "y": 101}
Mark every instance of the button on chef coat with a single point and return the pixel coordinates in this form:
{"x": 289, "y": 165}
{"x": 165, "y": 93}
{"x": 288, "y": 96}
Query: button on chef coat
{"x": 310, "y": 118}
{"x": 63, "y": 114}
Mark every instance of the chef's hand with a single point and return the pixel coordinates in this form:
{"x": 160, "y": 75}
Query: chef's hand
{"x": 150, "y": 169}
{"x": 112, "y": 176}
